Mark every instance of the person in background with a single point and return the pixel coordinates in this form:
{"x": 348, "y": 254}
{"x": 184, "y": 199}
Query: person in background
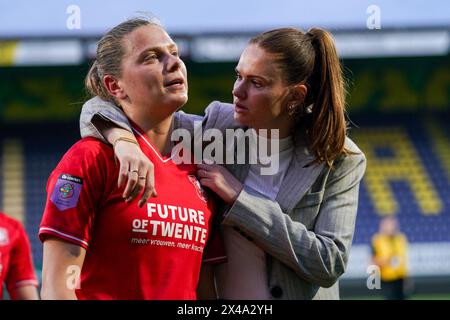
{"x": 390, "y": 254}
{"x": 16, "y": 263}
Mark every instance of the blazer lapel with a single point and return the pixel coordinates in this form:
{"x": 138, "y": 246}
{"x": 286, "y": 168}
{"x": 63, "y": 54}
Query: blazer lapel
{"x": 240, "y": 171}
{"x": 298, "y": 179}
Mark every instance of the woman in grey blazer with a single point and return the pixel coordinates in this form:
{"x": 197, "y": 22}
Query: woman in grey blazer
{"x": 287, "y": 235}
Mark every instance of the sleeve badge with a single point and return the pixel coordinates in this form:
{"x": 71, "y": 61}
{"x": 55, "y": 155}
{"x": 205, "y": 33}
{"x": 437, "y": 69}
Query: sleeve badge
{"x": 66, "y": 192}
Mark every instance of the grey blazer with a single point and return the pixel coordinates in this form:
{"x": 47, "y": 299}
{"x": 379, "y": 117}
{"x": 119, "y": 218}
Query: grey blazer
{"x": 307, "y": 232}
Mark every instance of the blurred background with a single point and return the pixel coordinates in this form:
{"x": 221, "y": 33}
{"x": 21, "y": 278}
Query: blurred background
{"x": 396, "y": 60}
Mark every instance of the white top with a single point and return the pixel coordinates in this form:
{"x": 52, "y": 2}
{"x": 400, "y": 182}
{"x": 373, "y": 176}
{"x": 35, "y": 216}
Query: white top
{"x": 244, "y": 276}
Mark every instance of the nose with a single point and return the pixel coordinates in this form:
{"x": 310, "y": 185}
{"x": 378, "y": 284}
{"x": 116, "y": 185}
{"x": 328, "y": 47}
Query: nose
{"x": 173, "y": 63}
{"x": 239, "y": 90}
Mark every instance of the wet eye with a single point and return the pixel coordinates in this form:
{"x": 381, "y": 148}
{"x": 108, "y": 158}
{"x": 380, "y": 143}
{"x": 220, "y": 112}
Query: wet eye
{"x": 150, "y": 57}
{"x": 257, "y": 84}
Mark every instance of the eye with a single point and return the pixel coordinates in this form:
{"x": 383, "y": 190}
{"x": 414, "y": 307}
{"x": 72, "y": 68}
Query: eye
{"x": 238, "y": 76}
{"x": 257, "y": 83}
{"x": 175, "y": 53}
{"x": 150, "y": 57}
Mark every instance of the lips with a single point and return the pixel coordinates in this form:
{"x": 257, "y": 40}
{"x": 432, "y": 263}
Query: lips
{"x": 239, "y": 107}
{"x": 174, "y": 82}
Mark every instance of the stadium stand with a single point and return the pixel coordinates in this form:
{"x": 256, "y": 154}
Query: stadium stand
{"x": 407, "y": 175}
{"x": 407, "y": 145}
{"x": 41, "y": 147}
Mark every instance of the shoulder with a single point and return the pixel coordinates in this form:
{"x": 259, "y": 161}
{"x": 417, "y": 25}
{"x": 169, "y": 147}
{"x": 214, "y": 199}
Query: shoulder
{"x": 376, "y": 238}
{"x": 220, "y": 107}
{"x": 89, "y": 147}
{"x": 355, "y": 160}
{"x": 403, "y": 237}
{"x": 88, "y": 162}
{"x": 347, "y": 169}
{"x": 220, "y": 115}
{"x": 97, "y": 104}
{"x": 87, "y": 152}
{"x": 14, "y": 228}
{"x": 9, "y": 222}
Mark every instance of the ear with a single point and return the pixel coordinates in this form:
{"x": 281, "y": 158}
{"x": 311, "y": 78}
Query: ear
{"x": 299, "y": 92}
{"x": 114, "y": 88}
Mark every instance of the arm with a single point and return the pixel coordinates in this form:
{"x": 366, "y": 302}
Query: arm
{"x": 376, "y": 259}
{"x": 96, "y": 113}
{"x": 21, "y": 279}
{"x": 66, "y": 227}
{"x": 318, "y": 256}
{"x": 105, "y": 121}
{"x": 62, "y": 262}
{"x": 130, "y": 158}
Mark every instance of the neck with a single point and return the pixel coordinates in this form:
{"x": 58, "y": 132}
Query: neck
{"x": 158, "y": 131}
{"x": 284, "y": 126}
{"x": 270, "y": 143}
{"x": 274, "y": 133}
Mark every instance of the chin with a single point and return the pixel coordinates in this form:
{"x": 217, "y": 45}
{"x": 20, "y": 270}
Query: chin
{"x": 177, "y": 103}
{"x": 182, "y": 98}
{"x": 182, "y": 102}
{"x": 240, "y": 119}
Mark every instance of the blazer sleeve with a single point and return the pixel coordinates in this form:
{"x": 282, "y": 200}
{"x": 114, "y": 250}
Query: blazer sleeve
{"x": 318, "y": 256}
{"x": 109, "y": 112}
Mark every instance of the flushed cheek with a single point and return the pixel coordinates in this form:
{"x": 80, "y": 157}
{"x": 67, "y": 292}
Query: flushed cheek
{"x": 259, "y": 102}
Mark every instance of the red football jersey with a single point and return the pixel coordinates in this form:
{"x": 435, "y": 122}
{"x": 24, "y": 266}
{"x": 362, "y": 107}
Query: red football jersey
{"x": 154, "y": 252}
{"x": 16, "y": 265}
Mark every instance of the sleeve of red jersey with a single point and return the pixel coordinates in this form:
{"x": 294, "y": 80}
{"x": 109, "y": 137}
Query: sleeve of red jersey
{"x": 21, "y": 272}
{"x": 74, "y": 192}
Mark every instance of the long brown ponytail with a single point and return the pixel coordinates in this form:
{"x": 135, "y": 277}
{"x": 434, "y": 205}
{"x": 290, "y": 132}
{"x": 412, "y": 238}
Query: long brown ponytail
{"x": 327, "y": 129}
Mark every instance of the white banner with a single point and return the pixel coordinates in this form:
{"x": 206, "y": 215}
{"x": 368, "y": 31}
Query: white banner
{"x": 425, "y": 259}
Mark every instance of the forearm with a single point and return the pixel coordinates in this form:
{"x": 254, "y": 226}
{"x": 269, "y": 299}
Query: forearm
{"x": 58, "y": 285}
{"x": 110, "y": 131}
{"x": 97, "y": 114}
{"x": 61, "y": 269}
{"x": 381, "y": 262}
{"x": 319, "y": 253}
{"x": 57, "y": 292}
{"x": 315, "y": 257}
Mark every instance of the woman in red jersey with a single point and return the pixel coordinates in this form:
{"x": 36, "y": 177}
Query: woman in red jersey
{"x": 16, "y": 263}
{"x": 95, "y": 245}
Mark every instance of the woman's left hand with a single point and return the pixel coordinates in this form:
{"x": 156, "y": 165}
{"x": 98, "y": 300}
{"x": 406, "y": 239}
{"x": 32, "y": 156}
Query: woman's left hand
{"x": 219, "y": 180}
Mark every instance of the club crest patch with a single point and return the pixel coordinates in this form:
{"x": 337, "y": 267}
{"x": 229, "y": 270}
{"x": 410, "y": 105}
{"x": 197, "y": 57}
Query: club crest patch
{"x": 4, "y": 239}
{"x": 66, "y": 192}
{"x": 198, "y": 187}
